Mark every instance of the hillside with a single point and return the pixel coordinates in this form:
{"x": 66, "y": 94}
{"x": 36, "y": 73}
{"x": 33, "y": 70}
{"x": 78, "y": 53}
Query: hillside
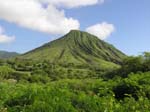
{"x": 6, "y": 55}
{"x": 78, "y": 48}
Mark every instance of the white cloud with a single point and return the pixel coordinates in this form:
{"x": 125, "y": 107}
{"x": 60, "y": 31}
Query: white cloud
{"x": 4, "y": 38}
{"x": 102, "y": 30}
{"x": 31, "y": 14}
{"x": 72, "y": 3}
{"x": 49, "y": 18}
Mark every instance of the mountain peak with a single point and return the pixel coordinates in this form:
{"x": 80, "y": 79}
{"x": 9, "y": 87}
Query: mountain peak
{"x": 78, "y": 47}
{"x": 77, "y": 32}
{"x": 79, "y": 35}
{"x": 72, "y": 31}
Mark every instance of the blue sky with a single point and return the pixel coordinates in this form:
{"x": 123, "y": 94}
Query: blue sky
{"x": 130, "y": 19}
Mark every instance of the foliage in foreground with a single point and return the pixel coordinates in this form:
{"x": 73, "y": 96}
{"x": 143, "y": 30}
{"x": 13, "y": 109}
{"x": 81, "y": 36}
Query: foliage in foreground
{"x": 27, "y": 86}
{"x": 73, "y": 95}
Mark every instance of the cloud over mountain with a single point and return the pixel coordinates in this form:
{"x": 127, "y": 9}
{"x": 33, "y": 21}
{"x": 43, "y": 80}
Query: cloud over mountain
{"x": 101, "y": 30}
{"x": 42, "y": 15}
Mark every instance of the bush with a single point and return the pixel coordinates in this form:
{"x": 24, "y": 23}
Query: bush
{"x": 5, "y": 71}
{"x": 126, "y": 89}
{"x": 39, "y": 79}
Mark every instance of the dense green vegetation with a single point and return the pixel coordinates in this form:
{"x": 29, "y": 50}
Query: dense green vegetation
{"x": 42, "y": 86}
{"x": 88, "y": 95}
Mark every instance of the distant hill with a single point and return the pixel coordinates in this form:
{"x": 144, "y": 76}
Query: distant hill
{"x": 79, "y": 48}
{"x": 6, "y": 55}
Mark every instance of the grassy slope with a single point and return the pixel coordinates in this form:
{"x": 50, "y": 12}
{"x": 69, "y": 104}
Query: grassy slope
{"x": 79, "y": 48}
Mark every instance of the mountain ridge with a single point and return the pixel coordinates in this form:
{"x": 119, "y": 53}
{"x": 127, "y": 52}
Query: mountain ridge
{"x": 77, "y": 47}
{"x": 6, "y": 54}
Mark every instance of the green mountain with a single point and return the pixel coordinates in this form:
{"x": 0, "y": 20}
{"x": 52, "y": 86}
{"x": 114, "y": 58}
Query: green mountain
{"x": 6, "y": 55}
{"x": 79, "y": 48}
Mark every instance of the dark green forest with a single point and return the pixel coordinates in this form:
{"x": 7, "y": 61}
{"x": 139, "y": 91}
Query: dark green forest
{"x": 28, "y": 85}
